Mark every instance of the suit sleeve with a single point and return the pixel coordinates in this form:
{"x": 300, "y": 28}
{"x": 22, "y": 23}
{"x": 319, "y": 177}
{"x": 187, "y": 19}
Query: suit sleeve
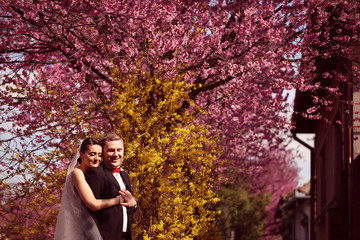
{"x": 92, "y": 177}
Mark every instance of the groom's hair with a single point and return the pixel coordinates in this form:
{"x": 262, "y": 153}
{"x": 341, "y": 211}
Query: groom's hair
{"x": 110, "y": 137}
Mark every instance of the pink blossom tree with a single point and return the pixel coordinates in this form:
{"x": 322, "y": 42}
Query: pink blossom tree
{"x": 64, "y": 64}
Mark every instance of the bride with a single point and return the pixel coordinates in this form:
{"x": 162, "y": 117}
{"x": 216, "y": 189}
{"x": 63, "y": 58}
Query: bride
{"x": 74, "y": 220}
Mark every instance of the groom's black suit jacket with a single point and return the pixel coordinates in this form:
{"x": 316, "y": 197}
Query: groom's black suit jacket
{"x": 104, "y": 186}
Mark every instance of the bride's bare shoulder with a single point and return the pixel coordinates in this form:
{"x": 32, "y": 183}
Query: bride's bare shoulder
{"x": 77, "y": 172}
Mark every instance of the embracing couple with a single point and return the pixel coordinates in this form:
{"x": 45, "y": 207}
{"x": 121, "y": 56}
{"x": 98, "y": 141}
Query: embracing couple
{"x": 97, "y": 199}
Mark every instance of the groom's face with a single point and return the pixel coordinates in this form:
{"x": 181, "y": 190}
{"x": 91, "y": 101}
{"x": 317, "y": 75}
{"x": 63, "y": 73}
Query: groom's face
{"x": 113, "y": 153}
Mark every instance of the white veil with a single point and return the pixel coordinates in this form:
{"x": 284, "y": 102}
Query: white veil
{"x": 74, "y": 220}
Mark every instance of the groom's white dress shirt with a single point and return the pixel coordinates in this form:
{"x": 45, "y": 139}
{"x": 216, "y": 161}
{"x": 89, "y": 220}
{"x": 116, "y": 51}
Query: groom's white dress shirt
{"x": 122, "y": 187}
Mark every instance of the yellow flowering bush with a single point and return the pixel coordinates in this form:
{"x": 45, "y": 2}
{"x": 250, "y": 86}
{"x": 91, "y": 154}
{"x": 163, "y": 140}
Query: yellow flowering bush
{"x": 169, "y": 155}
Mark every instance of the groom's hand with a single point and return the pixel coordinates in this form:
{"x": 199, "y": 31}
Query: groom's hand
{"x": 129, "y": 200}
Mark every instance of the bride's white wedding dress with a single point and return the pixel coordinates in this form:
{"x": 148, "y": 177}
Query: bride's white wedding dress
{"x": 74, "y": 221}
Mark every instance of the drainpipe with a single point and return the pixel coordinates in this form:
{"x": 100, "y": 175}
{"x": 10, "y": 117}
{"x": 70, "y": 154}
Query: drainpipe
{"x": 312, "y": 183}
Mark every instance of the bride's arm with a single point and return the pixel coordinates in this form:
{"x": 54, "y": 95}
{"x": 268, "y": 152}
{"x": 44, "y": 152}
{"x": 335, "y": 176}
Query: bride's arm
{"x": 86, "y": 194}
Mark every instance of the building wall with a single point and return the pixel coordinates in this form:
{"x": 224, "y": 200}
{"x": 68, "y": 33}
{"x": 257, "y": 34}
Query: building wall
{"x": 331, "y": 220}
{"x": 355, "y": 168}
{"x": 302, "y": 222}
{"x": 355, "y": 197}
{"x": 355, "y": 159}
{"x": 335, "y": 161}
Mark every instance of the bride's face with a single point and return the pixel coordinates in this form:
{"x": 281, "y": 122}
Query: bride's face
{"x": 92, "y": 157}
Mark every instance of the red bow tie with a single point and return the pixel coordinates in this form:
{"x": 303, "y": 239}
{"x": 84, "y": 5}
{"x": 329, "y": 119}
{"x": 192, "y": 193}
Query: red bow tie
{"x": 116, "y": 170}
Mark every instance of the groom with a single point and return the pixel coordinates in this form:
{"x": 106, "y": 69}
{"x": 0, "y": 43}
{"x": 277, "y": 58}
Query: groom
{"x": 106, "y": 181}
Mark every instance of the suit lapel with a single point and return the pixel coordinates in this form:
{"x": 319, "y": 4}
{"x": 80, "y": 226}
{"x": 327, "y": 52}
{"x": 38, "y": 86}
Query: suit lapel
{"x": 125, "y": 179}
{"x": 110, "y": 176}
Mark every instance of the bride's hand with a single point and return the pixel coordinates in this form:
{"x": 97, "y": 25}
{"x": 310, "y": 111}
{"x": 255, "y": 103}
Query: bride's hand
{"x": 129, "y": 200}
{"x": 121, "y": 199}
